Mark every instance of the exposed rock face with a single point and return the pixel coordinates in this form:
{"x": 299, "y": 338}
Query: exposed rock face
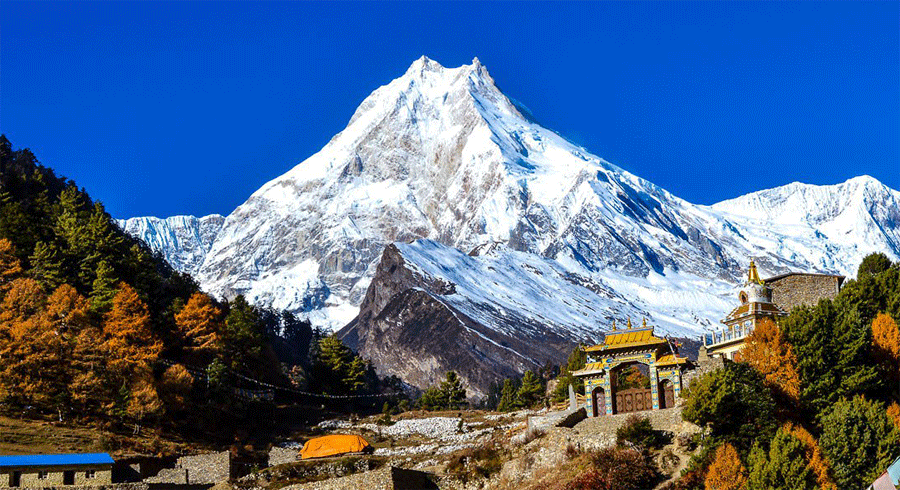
{"x": 431, "y": 308}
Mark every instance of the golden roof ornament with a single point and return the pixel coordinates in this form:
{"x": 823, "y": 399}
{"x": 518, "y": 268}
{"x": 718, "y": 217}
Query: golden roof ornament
{"x": 645, "y": 322}
{"x": 614, "y": 325}
{"x": 753, "y": 275}
{"x": 629, "y": 323}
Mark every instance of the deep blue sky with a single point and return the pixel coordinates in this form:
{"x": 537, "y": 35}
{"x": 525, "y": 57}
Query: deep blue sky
{"x": 187, "y": 108}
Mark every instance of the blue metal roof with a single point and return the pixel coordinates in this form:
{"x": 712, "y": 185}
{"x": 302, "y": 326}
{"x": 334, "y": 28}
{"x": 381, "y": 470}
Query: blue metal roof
{"x": 55, "y": 459}
{"x": 894, "y": 472}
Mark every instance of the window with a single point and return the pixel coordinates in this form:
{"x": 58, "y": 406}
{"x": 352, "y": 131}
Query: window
{"x": 15, "y": 479}
{"x": 42, "y": 475}
{"x": 89, "y": 474}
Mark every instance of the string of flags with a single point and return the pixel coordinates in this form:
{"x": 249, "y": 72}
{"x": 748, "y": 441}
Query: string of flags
{"x": 201, "y": 373}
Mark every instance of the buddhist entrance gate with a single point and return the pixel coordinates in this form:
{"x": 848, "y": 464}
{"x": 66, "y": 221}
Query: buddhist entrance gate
{"x": 630, "y": 346}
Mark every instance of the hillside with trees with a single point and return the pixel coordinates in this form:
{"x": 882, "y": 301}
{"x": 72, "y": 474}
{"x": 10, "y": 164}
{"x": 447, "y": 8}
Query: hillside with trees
{"x": 95, "y": 328}
{"x": 814, "y": 403}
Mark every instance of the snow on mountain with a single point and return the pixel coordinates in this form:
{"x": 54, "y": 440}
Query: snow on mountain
{"x": 183, "y": 240}
{"x": 442, "y": 154}
{"x": 829, "y": 227}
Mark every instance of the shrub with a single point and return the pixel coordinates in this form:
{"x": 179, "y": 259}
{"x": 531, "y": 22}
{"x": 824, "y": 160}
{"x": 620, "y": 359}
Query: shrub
{"x": 616, "y": 469}
{"x": 638, "y": 431}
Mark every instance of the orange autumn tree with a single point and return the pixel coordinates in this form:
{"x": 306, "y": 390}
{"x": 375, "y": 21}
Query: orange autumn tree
{"x": 200, "y": 323}
{"x": 814, "y": 456}
{"x": 769, "y": 353}
{"x": 886, "y": 345}
{"x": 129, "y": 341}
{"x": 10, "y": 266}
{"x": 893, "y": 412}
{"x": 726, "y": 472}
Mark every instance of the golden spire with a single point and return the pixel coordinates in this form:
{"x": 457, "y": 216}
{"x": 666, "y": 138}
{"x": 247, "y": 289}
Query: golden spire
{"x": 753, "y": 275}
{"x": 614, "y": 325}
{"x": 629, "y": 323}
{"x": 645, "y": 322}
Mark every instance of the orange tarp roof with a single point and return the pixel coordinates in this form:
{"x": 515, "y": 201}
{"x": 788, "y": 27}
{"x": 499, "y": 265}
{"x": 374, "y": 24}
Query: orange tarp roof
{"x": 321, "y": 447}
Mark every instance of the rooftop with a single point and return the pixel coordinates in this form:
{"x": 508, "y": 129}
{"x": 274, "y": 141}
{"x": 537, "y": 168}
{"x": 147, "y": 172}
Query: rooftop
{"x": 627, "y": 338}
{"x": 56, "y": 460}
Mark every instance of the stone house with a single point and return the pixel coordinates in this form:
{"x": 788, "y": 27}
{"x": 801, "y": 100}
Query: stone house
{"x": 55, "y": 470}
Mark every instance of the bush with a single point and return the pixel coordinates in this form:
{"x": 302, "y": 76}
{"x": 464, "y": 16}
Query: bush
{"x": 478, "y": 462}
{"x": 616, "y": 469}
{"x": 638, "y": 431}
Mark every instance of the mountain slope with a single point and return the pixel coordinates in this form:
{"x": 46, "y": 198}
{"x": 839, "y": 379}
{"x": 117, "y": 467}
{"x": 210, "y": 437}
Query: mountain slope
{"x": 441, "y": 155}
{"x": 183, "y": 240}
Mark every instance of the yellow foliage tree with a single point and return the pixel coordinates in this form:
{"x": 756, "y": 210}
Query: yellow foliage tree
{"x": 10, "y": 266}
{"x": 144, "y": 401}
{"x": 817, "y": 461}
{"x": 886, "y": 345}
{"x": 726, "y": 472}
{"x": 893, "y": 412}
{"x": 769, "y": 353}
{"x": 129, "y": 341}
{"x": 200, "y": 323}
{"x": 175, "y": 386}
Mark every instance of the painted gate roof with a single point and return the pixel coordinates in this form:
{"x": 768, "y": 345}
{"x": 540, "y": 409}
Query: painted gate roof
{"x": 56, "y": 460}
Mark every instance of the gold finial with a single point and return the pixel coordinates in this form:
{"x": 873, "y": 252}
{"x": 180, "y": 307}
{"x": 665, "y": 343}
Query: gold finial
{"x": 614, "y": 325}
{"x": 753, "y": 275}
{"x": 629, "y": 323}
{"x": 645, "y": 322}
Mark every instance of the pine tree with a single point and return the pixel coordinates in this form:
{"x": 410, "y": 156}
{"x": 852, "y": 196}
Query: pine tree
{"x": 509, "y": 399}
{"x": 768, "y": 352}
{"x": 241, "y": 340}
{"x": 817, "y": 462}
{"x": 784, "y": 467}
{"x": 453, "y": 391}
{"x": 47, "y": 265}
{"x": 859, "y": 440}
{"x": 104, "y": 287}
{"x": 432, "y": 399}
{"x": 577, "y": 360}
{"x": 531, "y": 391}
{"x": 104, "y": 243}
{"x": 726, "y": 471}
{"x": 200, "y": 323}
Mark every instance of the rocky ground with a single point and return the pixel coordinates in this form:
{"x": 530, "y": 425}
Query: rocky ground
{"x": 466, "y": 450}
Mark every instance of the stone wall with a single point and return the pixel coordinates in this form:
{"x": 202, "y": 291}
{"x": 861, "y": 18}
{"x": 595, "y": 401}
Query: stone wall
{"x": 282, "y": 455}
{"x": 207, "y": 468}
{"x": 110, "y": 486}
{"x": 793, "y": 290}
{"x": 703, "y": 366}
{"x": 29, "y": 477}
{"x": 198, "y": 469}
{"x": 388, "y": 478}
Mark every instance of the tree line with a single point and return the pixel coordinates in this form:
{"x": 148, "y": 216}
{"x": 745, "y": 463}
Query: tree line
{"x": 88, "y": 314}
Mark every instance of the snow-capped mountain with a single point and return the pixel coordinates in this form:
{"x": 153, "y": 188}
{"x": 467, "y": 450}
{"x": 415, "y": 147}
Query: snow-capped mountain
{"x": 442, "y": 154}
{"x": 183, "y": 240}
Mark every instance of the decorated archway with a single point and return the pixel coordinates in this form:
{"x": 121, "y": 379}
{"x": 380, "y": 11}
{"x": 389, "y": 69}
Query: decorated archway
{"x": 630, "y": 347}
